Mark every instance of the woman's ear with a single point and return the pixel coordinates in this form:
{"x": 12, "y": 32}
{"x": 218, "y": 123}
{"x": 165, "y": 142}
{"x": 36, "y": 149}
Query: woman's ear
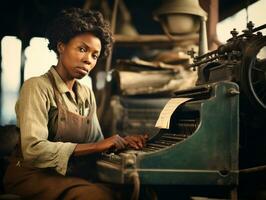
{"x": 60, "y": 47}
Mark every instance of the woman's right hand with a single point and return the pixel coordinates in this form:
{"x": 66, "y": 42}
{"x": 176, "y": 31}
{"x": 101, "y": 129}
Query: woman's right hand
{"x": 114, "y": 142}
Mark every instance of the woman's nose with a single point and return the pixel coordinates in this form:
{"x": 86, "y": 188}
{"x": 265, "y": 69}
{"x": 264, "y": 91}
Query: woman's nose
{"x": 87, "y": 59}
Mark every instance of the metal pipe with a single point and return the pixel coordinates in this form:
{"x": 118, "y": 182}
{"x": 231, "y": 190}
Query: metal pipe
{"x": 135, "y": 177}
{"x": 203, "y": 41}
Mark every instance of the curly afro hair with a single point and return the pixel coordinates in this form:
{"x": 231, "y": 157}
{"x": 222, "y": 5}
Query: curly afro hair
{"x": 75, "y": 21}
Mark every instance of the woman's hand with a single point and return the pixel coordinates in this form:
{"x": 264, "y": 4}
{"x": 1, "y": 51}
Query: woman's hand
{"x": 136, "y": 141}
{"x": 114, "y": 142}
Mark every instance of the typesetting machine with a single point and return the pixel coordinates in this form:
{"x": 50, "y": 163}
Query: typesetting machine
{"x": 212, "y": 136}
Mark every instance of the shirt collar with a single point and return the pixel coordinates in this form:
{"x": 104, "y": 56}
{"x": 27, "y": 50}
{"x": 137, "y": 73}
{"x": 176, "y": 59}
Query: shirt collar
{"x": 62, "y": 87}
{"x": 60, "y": 84}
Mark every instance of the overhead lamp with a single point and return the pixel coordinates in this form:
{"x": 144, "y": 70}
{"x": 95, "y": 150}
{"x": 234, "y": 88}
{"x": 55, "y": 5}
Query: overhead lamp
{"x": 181, "y": 17}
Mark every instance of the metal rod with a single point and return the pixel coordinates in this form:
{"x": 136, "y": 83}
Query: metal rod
{"x": 259, "y": 28}
{"x": 253, "y": 169}
{"x": 108, "y": 63}
{"x": 113, "y": 26}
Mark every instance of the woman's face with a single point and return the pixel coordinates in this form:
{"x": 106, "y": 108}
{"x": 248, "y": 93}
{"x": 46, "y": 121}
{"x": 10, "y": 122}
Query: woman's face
{"x": 79, "y": 56}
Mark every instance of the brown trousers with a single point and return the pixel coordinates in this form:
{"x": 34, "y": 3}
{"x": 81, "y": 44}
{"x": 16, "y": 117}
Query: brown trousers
{"x": 46, "y": 184}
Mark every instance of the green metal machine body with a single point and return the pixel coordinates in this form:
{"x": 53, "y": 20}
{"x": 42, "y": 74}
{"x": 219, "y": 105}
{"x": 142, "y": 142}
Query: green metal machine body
{"x": 207, "y": 154}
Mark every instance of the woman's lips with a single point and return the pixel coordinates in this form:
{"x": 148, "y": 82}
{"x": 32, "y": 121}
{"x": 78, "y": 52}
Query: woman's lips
{"x": 82, "y": 70}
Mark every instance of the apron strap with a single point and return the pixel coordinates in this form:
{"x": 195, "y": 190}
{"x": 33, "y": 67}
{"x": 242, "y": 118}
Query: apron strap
{"x": 57, "y": 95}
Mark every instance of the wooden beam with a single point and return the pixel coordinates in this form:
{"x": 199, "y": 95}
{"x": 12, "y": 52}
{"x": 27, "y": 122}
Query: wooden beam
{"x": 154, "y": 40}
{"x": 212, "y": 8}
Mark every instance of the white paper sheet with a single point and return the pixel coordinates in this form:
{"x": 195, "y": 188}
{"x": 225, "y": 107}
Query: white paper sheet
{"x": 165, "y": 115}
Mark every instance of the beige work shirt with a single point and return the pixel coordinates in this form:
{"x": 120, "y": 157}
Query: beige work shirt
{"x": 36, "y": 112}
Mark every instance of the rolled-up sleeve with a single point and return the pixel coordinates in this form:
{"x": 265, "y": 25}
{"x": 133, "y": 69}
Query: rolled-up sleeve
{"x": 32, "y": 117}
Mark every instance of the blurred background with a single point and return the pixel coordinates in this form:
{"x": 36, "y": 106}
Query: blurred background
{"x": 151, "y": 62}
{"x": 24, "y": 51}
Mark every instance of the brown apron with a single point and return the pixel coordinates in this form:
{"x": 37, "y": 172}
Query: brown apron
{"x": 46, "y": 184}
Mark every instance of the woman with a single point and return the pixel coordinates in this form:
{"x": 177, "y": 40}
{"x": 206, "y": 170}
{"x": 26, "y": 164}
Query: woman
{"x": 57, "y": 116}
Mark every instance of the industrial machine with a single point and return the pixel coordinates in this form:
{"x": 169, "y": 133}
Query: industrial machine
{"x": 201, "y": 146}
{"x": 216, "y": 134}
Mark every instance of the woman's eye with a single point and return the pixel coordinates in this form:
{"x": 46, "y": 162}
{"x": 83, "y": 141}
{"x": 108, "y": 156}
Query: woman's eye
{"x": 95, "y": 57}
{"x": 81, "y": 49}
